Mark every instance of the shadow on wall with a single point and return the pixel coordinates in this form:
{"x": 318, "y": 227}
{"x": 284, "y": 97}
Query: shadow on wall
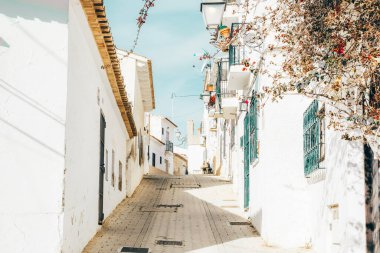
{"x": 257, "y": 219}
{"x": 44, "y": 10}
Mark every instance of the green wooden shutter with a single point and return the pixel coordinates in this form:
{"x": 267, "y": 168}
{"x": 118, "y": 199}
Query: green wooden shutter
{"x": 253, "y": 129}
{"x": 246, "y": 160}
{"x": 311, "y": 138}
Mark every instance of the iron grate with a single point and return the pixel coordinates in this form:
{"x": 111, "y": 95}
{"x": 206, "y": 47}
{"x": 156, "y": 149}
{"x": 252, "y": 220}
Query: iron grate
{"x": 169, "y": 242}
{"x": 134, "y": 250}
{"x": 240, "y": 223}
{"x": 170, "y": 206}
{"x": 185, "y": 186}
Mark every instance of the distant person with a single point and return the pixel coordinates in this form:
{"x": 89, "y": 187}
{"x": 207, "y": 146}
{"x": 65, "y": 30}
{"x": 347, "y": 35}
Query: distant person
{"x": 209, "y": 169}
{"x": 204, "y": 167}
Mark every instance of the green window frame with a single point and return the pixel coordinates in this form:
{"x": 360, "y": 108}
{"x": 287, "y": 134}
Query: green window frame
{"x": 251, "y": 131}
{"x": 311, "y": 138}
{"x": 253, "y": 137}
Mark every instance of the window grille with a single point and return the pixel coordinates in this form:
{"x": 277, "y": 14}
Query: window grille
{"x": 253, "y": 129}
{"x": 312, "y": 137}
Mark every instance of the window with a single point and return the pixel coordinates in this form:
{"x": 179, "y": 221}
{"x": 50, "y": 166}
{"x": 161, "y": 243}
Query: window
{"x": 113, "y": 169}
{"x": 106, "y": 165}
{"x": 160, "y": 159}
{"x": 153, "y": 159}
{"x": 162, "y": 131}
{"x": 120, "y": 176}
{"x": 313, "y": 138}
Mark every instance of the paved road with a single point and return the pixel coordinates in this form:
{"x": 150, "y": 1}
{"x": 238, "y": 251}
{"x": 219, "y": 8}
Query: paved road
{"x": 199, "y": 218}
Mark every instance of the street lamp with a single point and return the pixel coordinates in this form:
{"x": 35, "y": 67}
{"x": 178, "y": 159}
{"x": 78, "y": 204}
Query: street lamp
{"x": 212, "y": 11}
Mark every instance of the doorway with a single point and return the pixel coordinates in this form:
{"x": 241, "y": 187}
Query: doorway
{"x": 153, "y": 159}
{"x": 101, "y": 169}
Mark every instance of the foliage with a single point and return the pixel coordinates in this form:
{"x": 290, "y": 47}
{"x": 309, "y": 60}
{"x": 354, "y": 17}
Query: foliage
{"x": 323, "y": 49}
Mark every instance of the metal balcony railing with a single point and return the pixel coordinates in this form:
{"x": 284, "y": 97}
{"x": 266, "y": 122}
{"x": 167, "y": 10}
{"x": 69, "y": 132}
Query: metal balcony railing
{"x": 236, "y": 52}
{"x": 169, "y": 146}
{"x": 221, "y": 84}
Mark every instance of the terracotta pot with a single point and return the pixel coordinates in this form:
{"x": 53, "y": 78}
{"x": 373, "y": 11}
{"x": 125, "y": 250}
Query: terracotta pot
{"x": 225, "y": 32}
{"x": 210, "y": 87}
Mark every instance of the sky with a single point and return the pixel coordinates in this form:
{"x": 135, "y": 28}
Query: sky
{"x": 173, "y": 33}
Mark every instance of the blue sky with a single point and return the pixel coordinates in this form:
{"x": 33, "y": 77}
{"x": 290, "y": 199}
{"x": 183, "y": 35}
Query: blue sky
{"x": 174, "y": 31}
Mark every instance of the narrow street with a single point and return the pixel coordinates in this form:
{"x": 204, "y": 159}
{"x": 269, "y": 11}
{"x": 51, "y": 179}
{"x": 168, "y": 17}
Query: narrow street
{"x": 198, "y": 213}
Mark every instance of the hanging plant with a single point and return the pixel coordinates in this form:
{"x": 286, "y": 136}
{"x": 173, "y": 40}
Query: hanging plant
{"x": 224, "y": 31}
{"x": 212, "y": 100}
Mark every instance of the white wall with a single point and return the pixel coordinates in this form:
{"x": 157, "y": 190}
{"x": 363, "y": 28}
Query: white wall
{"x": 135, "y": 171}
{"x": 89, "y": 94}
{"x": 195, "y": 158}
{"x": 156, "y": 125}
{"x": 279, "y": 203}
{"x": 158, "y": 149}
{"x": 343, "y": 186}
{"x": 33, "y": 79}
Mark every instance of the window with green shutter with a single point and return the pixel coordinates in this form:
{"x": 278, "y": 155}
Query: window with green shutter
{"x": 311, "y": 138}
{"x": 253, "y": 129}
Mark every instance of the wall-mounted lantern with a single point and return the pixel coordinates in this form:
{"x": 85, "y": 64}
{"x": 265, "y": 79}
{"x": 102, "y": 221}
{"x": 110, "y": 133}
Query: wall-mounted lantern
{"x": 212, "y": 12}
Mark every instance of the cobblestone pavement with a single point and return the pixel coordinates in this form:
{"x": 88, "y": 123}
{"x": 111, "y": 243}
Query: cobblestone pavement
{"x": 199, "y": 218}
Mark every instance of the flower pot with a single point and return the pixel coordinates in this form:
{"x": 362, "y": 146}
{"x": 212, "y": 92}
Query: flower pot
{"x": 210, "y": 87}
{"x": 225, "y": 32}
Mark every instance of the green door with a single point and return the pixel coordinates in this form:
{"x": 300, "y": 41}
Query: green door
{"x": 246, "y": 161}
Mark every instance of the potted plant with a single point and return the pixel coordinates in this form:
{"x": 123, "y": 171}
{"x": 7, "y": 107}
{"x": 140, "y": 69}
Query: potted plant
{"x": 224, "y": 31}
{"x": 210, "y": 87}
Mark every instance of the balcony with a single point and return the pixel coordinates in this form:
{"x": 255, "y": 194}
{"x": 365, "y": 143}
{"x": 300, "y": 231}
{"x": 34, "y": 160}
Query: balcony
{"x": 238, "y": 76}
{"x": 169, "y": 146}
{"x": 229, "y": 107}
{"x": 222, "y": 89}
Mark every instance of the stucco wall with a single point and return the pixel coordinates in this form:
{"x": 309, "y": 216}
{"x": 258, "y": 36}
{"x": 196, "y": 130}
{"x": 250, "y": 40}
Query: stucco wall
{"x": 180, "y": 165}
{"x": 135, "y": 171}
{"x": 195, "y": 158}
{"x": 33, "y": 79}
{"x": 89, "y": 94}
{"x": 279, "y": 203}
{"x": 158, "y": 149}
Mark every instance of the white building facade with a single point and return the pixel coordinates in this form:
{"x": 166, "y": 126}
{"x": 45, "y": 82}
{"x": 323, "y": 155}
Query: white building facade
{"x": 66, "y": 125}
{"x": 161, "y": 147}
{"x": 297, "y": 180}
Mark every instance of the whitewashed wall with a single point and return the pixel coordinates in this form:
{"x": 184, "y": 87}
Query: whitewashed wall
{"x": 89, "y": 94}
{"x": 135, "y": 171}
{"x": 159, "y": 149}
{"x": 279, "y": 203}
{"x": 196, "y": 154}
{"x": 342, "y": 186}
{"x": 156, "y": 125}
{"x": 33, "y": 79}
{"x": 288, "y": 209}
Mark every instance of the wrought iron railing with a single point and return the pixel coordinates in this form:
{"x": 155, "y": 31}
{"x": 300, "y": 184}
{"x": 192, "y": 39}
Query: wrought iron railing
{"x": 221, "y": 84}
{"x": 169, "y": 146}
{"x": 236, "y": 52}
{"x": 311, "y": 140}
